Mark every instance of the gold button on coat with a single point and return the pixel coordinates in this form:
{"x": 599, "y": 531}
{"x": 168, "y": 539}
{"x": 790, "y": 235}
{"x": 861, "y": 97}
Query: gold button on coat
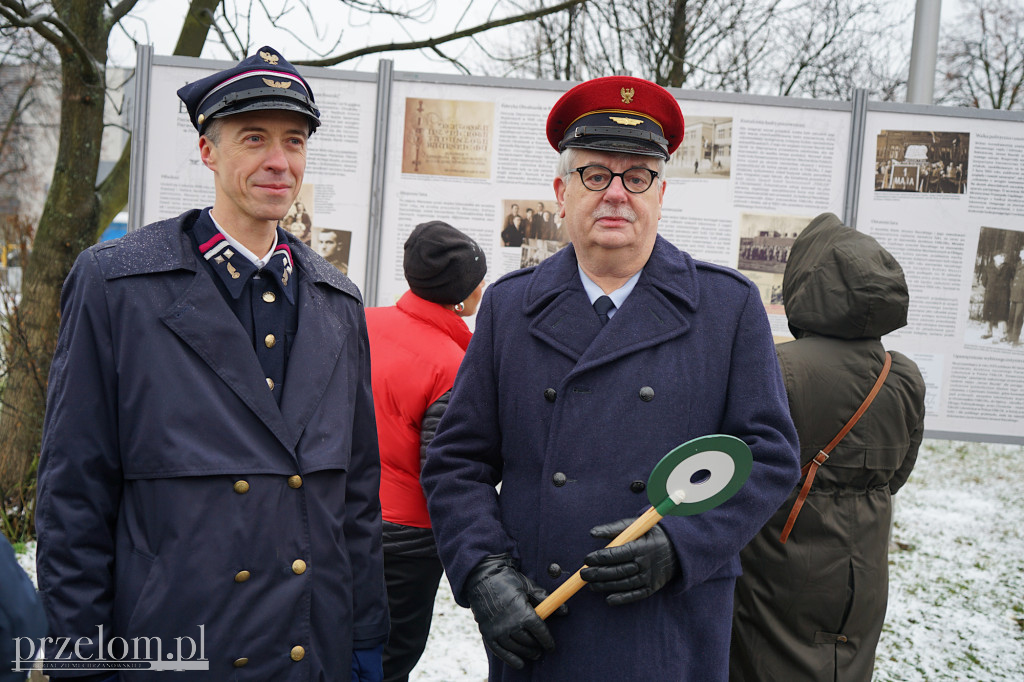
{"x": 297, "y": 653}
{"x": 270, "y": 340}
{"x": 269, "y": 296}
{"x": 295, "y": 481}
{"x": 298, "y": 567}
{"x": 240, "y": 662}
{"x": 241, "y": 576}
{"x": 270, "y": 383}
{"x": 241, "y": 487}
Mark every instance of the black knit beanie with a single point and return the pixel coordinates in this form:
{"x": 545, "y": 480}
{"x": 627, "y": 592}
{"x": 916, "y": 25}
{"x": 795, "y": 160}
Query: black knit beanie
{"x": 442, "y": 264}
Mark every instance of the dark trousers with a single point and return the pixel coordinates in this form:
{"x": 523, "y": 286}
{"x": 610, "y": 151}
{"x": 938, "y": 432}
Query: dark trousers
{"x": 412, "y": 585}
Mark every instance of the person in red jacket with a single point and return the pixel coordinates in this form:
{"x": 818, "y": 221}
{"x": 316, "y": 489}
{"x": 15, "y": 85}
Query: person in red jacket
{"x": 416, "y": 347}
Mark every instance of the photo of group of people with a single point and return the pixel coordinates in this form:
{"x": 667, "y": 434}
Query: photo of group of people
{"x": 534, "y": 226}
{"x": 299, "y": 221}
{"x": 535, "y": 220}
{"x": 333, "y": 245}
{"x": 997, "y": 291}
{"x": 921, "y": 161}
{"x": 765, "y": 243}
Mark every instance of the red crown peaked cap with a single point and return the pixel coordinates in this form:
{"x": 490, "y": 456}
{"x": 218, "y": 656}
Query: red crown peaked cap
{"x": 617, "y": 114}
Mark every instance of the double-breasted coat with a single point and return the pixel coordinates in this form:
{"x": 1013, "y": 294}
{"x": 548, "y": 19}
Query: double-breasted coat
{"x": 812, "y": 609}
{"x": 177, "y": 499}
{"x": 571, "y": 417}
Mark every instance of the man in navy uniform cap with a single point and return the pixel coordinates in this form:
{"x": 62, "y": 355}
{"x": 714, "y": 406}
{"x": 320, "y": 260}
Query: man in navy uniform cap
{"x": 209, "y": 463}
{"x": 582, "y": 373}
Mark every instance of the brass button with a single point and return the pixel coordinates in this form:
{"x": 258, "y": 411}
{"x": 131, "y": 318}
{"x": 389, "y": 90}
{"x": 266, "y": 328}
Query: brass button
{"x": 270, "y": 340}
{"x": 559, "y": 479}
{"x": 638, "y": 486}
{"x": 270, "y": 383}
{"x": 550, "y": 394}
{"x": 295, "y": 481}
{"x": 647, "y": 394}
{"x": 240, "y": 662}
{"x": 554, "y": 570}
{"x": 297, "y": 653}
{"x": 298, "y": 567}
{"x": 241, "y": 487}
{"x": 241, "y": 576}
{"x": 269, "y": 296}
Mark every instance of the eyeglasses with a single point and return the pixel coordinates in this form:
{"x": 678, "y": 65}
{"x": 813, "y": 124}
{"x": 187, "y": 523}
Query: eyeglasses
{"x": 597, "y": 178}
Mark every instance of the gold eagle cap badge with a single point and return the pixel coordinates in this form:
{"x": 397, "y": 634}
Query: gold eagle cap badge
{"x": 627, "y": 95}
{"x": 277, "y": 84}
{"x": 623, "y": 121}
{"x": 269, "y": 57}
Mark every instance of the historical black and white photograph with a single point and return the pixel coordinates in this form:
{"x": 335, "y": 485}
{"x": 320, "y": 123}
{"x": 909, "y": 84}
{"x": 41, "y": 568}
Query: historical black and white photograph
{"x": 530, "y": 219}
{"x": 765, "y": 243}
{"x": 299, "y": 219}
{"x": 997, "y": 290}
{"x": 921, "y": 161}
{"x": 334, "y": 246}
{"x": 706, "y": 149}
{"x": 536, "y": 250}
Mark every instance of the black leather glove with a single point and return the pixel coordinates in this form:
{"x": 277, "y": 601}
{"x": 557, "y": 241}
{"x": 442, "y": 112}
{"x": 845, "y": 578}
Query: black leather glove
{"x": 502, "y": 600}
{"x": 632, "y": 571}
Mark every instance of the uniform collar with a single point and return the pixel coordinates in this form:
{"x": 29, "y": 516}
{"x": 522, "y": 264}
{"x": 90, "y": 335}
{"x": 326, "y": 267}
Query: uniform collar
{"x": 668, "y": 270}
{"x": 618, "y": 296}
{"x": 234, "y": 264}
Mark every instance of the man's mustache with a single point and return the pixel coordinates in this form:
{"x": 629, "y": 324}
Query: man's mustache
{"x": 624, "y": 212}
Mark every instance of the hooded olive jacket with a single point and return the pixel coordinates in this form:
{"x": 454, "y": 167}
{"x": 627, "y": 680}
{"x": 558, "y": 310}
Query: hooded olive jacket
{"x": 812, "y": 609}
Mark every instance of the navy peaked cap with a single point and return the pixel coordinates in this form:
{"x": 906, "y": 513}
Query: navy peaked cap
{"x": 266, "y": 80}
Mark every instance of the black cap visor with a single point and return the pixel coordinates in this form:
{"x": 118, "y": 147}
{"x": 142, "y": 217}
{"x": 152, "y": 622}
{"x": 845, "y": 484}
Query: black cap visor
{"x": 618, "y": 140}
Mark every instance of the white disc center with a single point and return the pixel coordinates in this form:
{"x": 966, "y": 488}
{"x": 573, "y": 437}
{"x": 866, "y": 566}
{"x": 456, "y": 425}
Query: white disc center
{"x": 702, "y": 475}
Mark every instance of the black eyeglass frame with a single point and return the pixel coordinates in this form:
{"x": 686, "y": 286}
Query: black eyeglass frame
{"x": 612, "y": 176}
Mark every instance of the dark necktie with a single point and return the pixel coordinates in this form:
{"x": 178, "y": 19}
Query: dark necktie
{"x": 602, "y": 305}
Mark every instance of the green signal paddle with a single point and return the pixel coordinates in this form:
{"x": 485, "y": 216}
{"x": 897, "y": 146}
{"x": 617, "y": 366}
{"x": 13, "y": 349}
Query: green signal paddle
{"x": 694, "y": 477}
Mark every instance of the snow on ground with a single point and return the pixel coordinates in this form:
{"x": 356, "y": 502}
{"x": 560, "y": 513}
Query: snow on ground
{"x": 956, "y": 592}
{"x": 956, "y": 583}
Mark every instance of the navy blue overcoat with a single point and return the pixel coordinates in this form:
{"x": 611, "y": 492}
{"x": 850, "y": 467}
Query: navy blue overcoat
{"x": 174, "y": 494}
{"x": 570, "y": 418}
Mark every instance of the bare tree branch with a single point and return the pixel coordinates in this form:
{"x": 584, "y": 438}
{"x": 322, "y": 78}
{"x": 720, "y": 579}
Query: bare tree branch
{"x": 434, "y": 42}
{"x": 120, "y": 10}
{"x": 63, "y": 38}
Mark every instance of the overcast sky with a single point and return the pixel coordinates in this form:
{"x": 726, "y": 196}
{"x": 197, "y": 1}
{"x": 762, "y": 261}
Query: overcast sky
{"x": 159, "y": 22}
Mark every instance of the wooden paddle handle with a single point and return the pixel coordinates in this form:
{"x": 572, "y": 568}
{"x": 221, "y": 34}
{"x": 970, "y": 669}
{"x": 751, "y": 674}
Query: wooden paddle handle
{"x": 573, "y": 584}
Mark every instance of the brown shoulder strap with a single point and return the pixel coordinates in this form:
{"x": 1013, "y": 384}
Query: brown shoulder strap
{"x": 811, "y": 468}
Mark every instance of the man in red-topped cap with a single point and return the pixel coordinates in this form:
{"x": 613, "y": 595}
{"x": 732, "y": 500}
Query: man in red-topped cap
{"x": 209, "y": 476}
{"x": 582, "y": 373}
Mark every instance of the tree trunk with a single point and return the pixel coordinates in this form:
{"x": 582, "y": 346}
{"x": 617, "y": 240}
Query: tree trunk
{"x": 65, "y": 228}
{"x": 74, "y": 215}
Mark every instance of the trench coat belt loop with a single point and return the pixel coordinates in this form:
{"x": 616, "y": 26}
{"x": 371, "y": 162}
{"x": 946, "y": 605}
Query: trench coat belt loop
{"x": 811, "y": 468}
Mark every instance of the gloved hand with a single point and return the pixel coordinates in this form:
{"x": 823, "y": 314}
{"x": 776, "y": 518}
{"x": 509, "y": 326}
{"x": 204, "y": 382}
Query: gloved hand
{"x": 502, "y": 601}
{"x": 368, "y": 664}
{"x": 632, "y": 571}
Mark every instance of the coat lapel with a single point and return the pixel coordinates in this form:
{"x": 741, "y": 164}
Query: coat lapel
{"x": 202, "y": 319}
{"x": 313, "y": 357}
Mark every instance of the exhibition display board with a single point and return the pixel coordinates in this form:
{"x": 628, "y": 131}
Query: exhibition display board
{"x": 943, "y": 191}
{"x": 938, "y": 187}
